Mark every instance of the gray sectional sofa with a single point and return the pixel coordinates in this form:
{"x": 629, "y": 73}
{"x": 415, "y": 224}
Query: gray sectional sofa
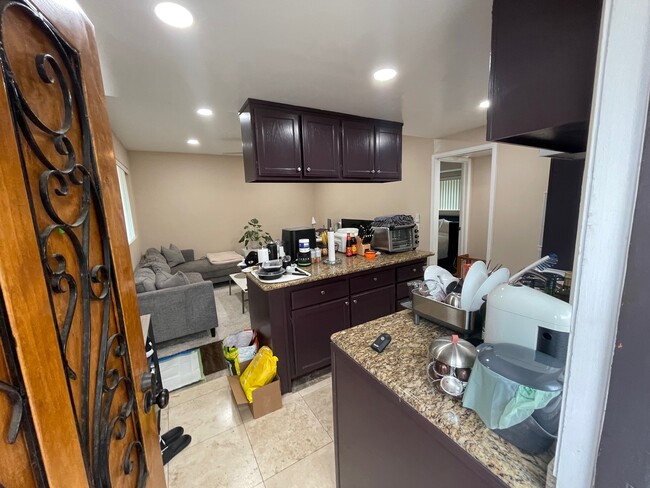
{"x": 176, "y": 311}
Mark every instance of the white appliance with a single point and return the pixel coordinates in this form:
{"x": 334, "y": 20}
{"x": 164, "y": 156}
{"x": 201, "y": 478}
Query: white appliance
{"x": 520, "y": 315}
{"x": 341, "y": 235}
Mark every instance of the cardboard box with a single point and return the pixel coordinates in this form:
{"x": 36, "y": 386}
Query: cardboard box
{"x": 266, "y": 399}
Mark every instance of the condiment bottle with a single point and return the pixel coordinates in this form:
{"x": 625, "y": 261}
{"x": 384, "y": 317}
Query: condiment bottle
{"x": 348, "y": 246}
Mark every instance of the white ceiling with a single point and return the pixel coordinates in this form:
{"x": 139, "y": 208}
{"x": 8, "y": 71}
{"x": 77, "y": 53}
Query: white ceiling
{"x": 315, "y": 53}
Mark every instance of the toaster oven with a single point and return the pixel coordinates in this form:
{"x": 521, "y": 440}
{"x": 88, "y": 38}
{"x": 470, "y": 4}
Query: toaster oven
{"x": 399, "y": 238}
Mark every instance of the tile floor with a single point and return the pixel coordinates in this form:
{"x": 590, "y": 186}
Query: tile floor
{"x": 291, "y": 447}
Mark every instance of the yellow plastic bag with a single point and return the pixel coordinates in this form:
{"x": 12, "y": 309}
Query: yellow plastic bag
{"x": 261, "y": 371}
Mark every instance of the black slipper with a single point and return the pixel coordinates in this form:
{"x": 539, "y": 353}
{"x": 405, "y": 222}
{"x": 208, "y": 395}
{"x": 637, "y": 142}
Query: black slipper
{"x": 170, "y": 436}
{"x": 175, "y": 447}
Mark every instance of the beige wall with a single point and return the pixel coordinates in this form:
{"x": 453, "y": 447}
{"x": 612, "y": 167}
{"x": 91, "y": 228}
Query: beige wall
{"x": 368, "y": 200}
{"x": 477, "y": 222}
{"x": 521, "y": 182}
{"x": 202, "y": 202}
{"x": 122, "y": 156}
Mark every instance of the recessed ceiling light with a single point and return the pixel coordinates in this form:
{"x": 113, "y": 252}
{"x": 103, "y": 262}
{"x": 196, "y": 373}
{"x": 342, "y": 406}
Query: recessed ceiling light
{"x": 205, "y": 112}
{"x": 174, "y": 14}
{"x": 484, "y": 104}
{"x": 385, "y": 74}
{"x": 193, "y": 142}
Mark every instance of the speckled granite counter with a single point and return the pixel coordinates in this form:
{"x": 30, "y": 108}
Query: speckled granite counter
{"x": 402, "y": 368}
{"x": 355, "y": 264}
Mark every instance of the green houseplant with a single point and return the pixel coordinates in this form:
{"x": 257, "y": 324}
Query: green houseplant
{"x": 255, "y": 235}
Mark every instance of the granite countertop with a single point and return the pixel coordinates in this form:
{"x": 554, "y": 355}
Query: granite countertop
{"x": 354, "y": 264}
{"x": 402, "y": 368}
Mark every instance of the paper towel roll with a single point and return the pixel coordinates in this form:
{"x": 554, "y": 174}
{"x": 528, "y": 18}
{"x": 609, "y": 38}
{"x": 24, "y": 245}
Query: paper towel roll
{"x": 331, "y": 250}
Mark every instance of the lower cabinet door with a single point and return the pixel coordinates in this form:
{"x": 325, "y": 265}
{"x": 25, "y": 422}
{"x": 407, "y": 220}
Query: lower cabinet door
{"x": 371, "y": 305}
{"x": 312, "y": 328}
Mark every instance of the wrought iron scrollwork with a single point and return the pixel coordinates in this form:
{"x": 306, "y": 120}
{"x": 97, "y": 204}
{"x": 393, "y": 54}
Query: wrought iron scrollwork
{"x": 16, "y": 410}
{"x": 68, "y": 178}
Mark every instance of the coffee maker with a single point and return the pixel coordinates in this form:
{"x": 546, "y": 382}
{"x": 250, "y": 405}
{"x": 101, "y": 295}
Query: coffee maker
{"x": 291, "y": 235}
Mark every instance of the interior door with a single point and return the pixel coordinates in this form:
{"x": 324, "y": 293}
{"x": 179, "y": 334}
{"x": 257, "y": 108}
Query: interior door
{"x": 72, "y": 364}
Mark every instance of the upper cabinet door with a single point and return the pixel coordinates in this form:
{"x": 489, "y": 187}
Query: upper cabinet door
{"x": 358, "y": 149}
{"x": 542, "y": 67}
{"x": 321, "y": 146}
{"x": 277, "y": 138}
{"x": 388, "y": 152}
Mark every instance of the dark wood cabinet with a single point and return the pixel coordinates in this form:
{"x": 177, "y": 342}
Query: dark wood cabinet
{"x": 312, "y": 328}
{"x": 321, "y": 143}
{"x": 371, "y": 305}
{"x": 358, "y": 149}
{"x": 277, "y": 135}
{"x": 542, "y": 70}
{"x": 388, "y": 152}
{"x": 286, "y": 143}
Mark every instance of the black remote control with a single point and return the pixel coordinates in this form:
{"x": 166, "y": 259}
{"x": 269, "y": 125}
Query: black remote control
{"x": 381, "y": 342}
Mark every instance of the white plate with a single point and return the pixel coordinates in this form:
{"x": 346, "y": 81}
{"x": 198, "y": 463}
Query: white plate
{"x": 476, "y": 275}
{"x": 501, "y": 275}
{"x": 432, "y": 273}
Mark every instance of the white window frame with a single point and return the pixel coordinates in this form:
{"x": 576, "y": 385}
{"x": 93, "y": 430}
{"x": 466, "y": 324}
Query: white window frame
{"x": 122, "y": 173}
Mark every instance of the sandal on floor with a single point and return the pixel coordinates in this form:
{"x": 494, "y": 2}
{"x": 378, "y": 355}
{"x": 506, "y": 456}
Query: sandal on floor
{"x": 175, "y": 447}
{"x": 170, "y": 436}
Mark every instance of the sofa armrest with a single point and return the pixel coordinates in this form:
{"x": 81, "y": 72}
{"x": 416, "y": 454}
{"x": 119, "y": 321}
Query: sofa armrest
{"x": 188, "y": 254}
{"x": 181, "y": 310}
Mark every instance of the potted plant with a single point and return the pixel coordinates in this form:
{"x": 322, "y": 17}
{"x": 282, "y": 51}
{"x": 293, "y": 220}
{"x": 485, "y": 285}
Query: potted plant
{"x": 254, "y": 235}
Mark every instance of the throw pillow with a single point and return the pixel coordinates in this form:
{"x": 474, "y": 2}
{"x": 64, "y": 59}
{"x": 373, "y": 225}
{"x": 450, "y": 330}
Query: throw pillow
{"x": 153, "y": 254}
{"x": 145, "y": 280}
{"x": 173, "y": 255}
{"x": 156, "y": 266}
{"x": 166, "y": 280}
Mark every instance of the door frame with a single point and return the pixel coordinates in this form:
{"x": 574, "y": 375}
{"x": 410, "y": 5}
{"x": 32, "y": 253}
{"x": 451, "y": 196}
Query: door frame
{"x": 466, "y": 197}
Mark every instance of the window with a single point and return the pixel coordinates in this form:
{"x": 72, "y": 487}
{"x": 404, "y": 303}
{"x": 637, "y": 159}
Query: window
{"x": 126, "y": 202}
{"x": 450, "y": 193}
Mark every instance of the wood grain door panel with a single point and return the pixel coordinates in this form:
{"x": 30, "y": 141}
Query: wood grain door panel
{"x": 65, "y": 271}
{"x": 358, "y": 149}
{"x": 277, "y": 135}
{"x": 321, "y": 143}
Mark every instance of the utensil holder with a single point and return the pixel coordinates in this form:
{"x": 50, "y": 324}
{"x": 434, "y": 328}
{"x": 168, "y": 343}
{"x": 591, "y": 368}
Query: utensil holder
{"x": 361, "y": 247}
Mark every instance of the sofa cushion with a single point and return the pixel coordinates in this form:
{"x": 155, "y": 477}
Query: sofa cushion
{"x": 153, "y": 254}
{"x": 145, "y": 280}
{"x": 173, "y": 255}
{"x": 155, "y": 266}
{"x": 194, "y": 277}
{"x": 167, "y": 280}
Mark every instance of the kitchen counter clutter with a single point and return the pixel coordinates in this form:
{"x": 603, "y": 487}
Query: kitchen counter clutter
{"x": 354, "y": 264}
{"x": 401, "y": 369}
{"x": 296, "y": 319}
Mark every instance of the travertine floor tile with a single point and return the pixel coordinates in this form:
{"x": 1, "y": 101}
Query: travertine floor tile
{"x": 320, "y": 402}
{"x": 247, "y": 416}
{"x": 325, "y": 382}
{"x": 224, "y": 461}
{"x": 281, "y": 438}
{"x": 199, "y": 389}
{"x": 315, "y": 471}
{"x": 206, "y": 416}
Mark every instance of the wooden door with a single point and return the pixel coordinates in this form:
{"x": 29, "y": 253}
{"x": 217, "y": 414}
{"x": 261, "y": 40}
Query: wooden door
{"x": 321, "y": 146}
{"x": 277, "y": 137}
{"x": 72, "y": 361}
{"x": 358, "y": 149}
{"x": 388, "y": 152}
{"x": 312, "y": 328}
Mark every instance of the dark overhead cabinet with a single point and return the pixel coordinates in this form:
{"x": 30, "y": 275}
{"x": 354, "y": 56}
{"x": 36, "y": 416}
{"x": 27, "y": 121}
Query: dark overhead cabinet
{"x": 542, "y": 72}
{"x": 285, "y": 143}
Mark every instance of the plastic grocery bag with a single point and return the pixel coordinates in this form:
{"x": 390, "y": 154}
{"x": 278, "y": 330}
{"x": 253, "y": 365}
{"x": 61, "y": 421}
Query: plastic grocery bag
{"x": 261, "y": 371}
{"x": 239, "y": 348}
{"x": 500, "y": 402}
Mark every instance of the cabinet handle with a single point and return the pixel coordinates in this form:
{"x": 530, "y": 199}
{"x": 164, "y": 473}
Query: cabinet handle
{"x": 308, "y": 169}
{"x": 298, "y": 168}
{"x": 322, "y": 292}
{"x": 378, "y": 171}
{"x": 347, "y": 304}
{"x": 373, "y": 171}
{"x": 375, "y": 279}
{"x": 354, "y": 301}
{"x": 415, "y": 270}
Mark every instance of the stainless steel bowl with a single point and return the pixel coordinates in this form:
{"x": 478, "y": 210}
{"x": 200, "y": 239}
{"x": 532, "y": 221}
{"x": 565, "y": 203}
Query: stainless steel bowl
{"x": 453, "y": 299}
